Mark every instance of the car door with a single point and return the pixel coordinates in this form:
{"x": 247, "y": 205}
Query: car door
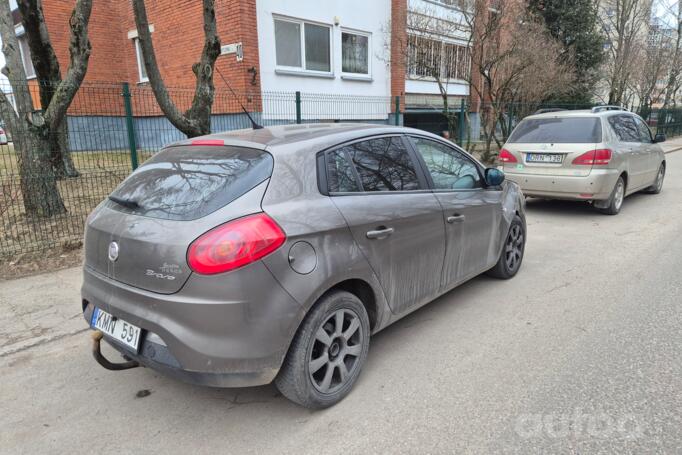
{"x": 649, "y": 149}
{"x": 471, "y": 212}
{"x": 394, "y": 218}
{"x": 630, "y": 148}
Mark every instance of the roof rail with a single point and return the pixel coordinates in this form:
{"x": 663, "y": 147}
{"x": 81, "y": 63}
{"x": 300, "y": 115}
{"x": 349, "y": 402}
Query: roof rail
{"x": 548, "y": 109}
{"x": 596, "y": 109}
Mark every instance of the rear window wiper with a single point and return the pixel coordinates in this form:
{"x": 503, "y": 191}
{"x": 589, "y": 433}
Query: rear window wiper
{"x": 128, "y": 203}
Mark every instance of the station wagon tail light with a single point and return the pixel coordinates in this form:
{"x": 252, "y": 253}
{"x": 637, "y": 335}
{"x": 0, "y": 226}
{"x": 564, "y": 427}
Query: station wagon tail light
{"x": 506, "y": 156}
{"x": 598, "y": 157}
{"x": 235, "y": 244}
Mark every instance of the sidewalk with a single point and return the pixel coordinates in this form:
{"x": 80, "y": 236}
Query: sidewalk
{"x": 39, "y": 309}
{"x": 672, "y": 145}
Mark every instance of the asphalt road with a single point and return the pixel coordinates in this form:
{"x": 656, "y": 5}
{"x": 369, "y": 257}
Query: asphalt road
{"x": 580, "y": 353}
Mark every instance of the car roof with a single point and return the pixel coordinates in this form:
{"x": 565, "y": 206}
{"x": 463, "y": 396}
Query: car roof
{"x": 321, "y": 134}
{"x": 578, "y": 113}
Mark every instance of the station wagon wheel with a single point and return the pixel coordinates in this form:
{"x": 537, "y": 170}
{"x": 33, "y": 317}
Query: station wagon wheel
{"x": 336, "y": 351}
{"x": 615, "y": 202}
{"x": 328, "y": 352}
{"x": 513, "y": 249}
{"x": 658, "y": 183}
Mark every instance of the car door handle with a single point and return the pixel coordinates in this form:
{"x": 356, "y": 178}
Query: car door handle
{"x": 455, "y": 218}
{"x": 380, "y": 233}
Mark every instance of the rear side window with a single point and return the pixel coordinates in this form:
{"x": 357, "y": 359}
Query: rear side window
{"x": 189, "y": 182}
{"x": 383, "y": 164}
{"x": 563, "y": 130}
{"x": 625, "y": 128}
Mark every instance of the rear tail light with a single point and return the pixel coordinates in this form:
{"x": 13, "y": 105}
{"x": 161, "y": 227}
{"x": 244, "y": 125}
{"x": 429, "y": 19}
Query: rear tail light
{"x": 599, "y": 157}
{"x": 506, "y": 156}
{"x": 235, "y": 244}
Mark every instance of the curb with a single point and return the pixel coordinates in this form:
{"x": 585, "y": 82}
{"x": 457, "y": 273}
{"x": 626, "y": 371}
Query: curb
{"x": 673, "y": 150}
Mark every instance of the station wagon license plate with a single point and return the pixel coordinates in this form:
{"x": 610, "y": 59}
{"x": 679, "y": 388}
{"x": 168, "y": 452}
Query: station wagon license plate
{"x": 544, "y": 158}
{"x": 118, "y": 329}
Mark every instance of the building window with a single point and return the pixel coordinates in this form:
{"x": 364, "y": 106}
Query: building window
{"x": 429, "y": 58}
{"x": 355, "y": 53}
{"x": 142, "y": 71}
{"x": 303, "y": 45}
{"x": 25, "y": 52}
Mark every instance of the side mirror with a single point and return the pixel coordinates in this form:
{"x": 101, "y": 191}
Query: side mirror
{"x": 494, "y": 177}
{"x": 660, "y": 137}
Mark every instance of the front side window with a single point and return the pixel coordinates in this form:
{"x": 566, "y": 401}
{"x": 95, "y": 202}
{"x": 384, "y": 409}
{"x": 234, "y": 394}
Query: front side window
{"x": 625, "y": 128}
{"x": 303, "y": 45}
{"x": 383, "y": 164}
{"x": 354, "y": 53}
{"x": 449, "y": 169}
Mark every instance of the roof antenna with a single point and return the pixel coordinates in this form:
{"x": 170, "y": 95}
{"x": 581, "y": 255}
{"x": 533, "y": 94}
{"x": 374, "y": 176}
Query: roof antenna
{"x": 254, "y": 125}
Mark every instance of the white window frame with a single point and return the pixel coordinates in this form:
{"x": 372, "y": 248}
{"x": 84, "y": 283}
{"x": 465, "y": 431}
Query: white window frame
{"x": 442, "y": 43}
{"x": 19, "y": 31}
{"x": 138, "y": 57}
{"x": 302, "y": 70}
{"x": 359, "y": 76}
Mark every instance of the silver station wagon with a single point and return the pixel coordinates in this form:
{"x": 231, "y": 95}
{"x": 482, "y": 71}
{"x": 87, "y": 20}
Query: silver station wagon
{"x": 599, "y": 155}
{"x": 273, "y": 254}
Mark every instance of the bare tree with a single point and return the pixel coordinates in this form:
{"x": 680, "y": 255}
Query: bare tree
{"x": 652, "y": 65}
{"x": 196, "y": 121}
{"x": 48, "y": 75}
{"x": 674, "y": 77}
{"x": 515, "y": 62}
{"x": 625, "y": 23}
{"x": 33, "y": 129}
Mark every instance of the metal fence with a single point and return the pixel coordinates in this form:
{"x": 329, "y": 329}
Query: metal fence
{"x": 112, "y": 128}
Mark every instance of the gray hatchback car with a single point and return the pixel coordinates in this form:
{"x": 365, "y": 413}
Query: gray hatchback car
{"x": 270, "y": 254}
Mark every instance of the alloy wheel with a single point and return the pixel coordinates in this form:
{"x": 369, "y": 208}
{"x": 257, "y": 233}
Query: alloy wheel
{"x": 659, "y": 178}
{"x": 336, "y": 350}
{"x": 514, "y": 247}
{"x": 619, "y": 195}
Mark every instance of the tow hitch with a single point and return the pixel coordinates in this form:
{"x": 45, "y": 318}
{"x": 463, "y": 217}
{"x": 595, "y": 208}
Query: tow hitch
{"x": 97, "y": 354}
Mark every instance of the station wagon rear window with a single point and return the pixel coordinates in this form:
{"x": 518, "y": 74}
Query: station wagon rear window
{"x": 189, "y": 182}
{"x": 566, "y": 130}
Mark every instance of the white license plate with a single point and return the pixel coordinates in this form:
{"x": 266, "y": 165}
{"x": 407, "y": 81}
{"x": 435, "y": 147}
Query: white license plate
{"x": 544, "y": 158}
{"x": 117, "y": 329}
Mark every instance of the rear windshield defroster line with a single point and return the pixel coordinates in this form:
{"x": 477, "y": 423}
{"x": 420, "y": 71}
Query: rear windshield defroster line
{"x": 189, "y": 182}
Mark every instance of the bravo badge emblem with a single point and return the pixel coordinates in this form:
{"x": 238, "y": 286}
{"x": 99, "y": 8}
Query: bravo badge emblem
{"x": 113, "y": 251}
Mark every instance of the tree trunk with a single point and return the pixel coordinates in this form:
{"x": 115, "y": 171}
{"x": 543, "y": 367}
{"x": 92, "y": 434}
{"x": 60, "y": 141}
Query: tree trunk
{"x": 38, "y": 180}
{"x": 60, "y": 155}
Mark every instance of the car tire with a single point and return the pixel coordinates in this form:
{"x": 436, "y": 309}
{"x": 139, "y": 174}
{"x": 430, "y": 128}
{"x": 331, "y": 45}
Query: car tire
{"x": 657, "y": 186}
{"x": 325, "y": 359}
{"x": 615, "y": 201}
{"x": 511, "y": 257}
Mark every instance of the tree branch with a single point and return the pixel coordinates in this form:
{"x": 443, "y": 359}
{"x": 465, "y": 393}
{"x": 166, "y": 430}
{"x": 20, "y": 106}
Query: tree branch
{"x": 79, "y": 49}
{"x": 14, "y": 66}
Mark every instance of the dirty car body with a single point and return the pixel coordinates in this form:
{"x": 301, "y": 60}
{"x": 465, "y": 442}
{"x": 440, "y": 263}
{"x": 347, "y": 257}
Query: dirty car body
{"x": 394, "y": 249}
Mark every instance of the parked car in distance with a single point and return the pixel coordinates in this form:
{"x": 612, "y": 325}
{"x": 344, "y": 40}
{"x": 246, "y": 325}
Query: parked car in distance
{"x": 270, "y": 254}
{"x": 3, "y": 137}
{"x": 599, "y": 155}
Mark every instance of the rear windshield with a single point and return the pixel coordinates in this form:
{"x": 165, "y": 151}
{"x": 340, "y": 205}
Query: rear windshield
{"x": 567, "y": 130}
{"x": 189, "y": 182}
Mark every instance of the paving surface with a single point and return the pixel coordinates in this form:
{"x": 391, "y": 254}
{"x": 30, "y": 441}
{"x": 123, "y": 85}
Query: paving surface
{"x": 580, "y": 353}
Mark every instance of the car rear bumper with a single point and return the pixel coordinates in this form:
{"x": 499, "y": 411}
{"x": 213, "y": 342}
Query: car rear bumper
{"x": 598, "y": 185}
{"x": 236, "y": 341}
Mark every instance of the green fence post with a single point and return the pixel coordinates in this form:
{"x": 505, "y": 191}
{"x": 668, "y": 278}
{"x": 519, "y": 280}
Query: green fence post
{"x": 298, "y": 107}
{"x": 460, "y": 139}
{"x": 130, "y": 127}
{"x": 397, "y": 110}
